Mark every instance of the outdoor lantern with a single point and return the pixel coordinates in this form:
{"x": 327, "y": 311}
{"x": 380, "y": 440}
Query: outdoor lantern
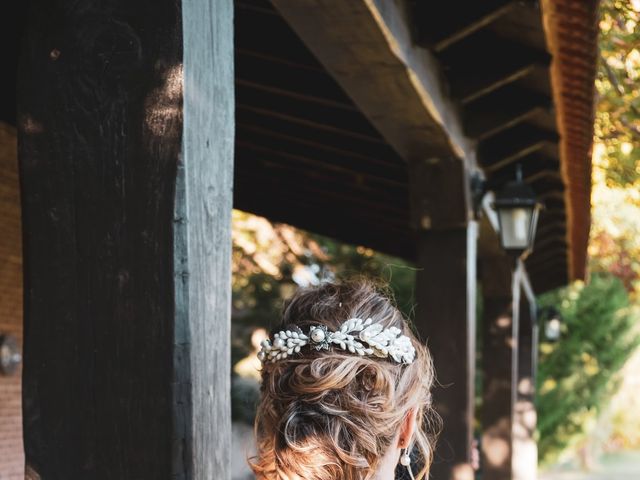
{"x": 553, "y": 324}
{"x": 518, "y": 211}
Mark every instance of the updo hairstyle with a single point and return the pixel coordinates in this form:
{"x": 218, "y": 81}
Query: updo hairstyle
{"x": 329, "y": 415}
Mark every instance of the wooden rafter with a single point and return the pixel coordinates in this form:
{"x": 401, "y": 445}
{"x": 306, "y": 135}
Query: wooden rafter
{"x": 307, "y": 164}
{"x": 512, "y": 145}
{"x": 335, "y": 138}
{"x": 443, "y": 24}
{"x": 502, "y": 109}
{"x": 385, "y": 166}
{"x": 537, "y": 170}
{"x": 385, "y": 161}
{"x": 485, "y": 62}
{"x": 356, "y": 230}
{"x": 299, "y": 81}
{"x": 468, "y": 86}
{"x": 396, "y": 84}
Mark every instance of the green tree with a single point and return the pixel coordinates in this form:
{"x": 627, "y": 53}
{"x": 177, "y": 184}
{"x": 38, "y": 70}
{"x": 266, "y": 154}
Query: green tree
{"x": 615, "y": 244}
{"x": 617, "y": 125}
{"x": 578, "y": 374}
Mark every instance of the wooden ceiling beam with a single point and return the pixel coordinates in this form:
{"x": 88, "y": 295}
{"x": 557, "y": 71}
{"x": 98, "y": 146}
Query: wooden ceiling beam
{"x": 315, "y": 124}
{"x": 551, "y": 196}
{"x": 543, "y": 261}
{"x": 322, "y": 198}
{"x": 388, "y": 163}
{"x": 486, "y": 50}
{"x": 372, "y": 148}
{"x": 545, "y": 185}
{"x": 549, "y": 247}
{"x": 553, "y": 174}
{"x": 301, "y": 81}
{"x": 441, "y": 24}
{"x": 553, "y": 211}
{"x": 502, "y": 109}
{"x": 288, "y": 93}
{"x": 260, "y": 28}
{"x": 469, "y": 86}
{"x": 545, "y": 276}
{"x": 396, "y": 84}
{"x": 353, "y": 230}
{"x": 551, "y": 228}
{"x": 485, "y": 62}
{"x": 550, "y": 217}
{"x": 512, "y": 145}
{"x": 553, "y": 203}
{"x": 306, "y": 164}
{"x": 535, "y": 168}
{"x": 541, "y": 258}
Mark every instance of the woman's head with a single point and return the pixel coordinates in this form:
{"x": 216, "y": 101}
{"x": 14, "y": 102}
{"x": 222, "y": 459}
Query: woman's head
{"x": 332, "y": 414}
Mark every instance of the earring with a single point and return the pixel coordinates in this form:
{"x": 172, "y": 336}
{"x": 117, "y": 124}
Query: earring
{"x": 405, "y": 461}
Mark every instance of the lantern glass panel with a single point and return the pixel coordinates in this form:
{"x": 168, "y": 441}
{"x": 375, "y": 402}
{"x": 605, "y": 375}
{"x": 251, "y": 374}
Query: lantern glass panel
{"x": 515, "y": 227}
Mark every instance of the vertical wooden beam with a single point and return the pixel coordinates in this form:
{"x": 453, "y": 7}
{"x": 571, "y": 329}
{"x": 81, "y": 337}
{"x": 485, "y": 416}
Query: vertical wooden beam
{"x": 203, "y": 241}
{"x": 500, "y": 291}
{"x": 126, "y": 224}
{"x": 445, "y": 294}
{"x": 525, "y": 451}
{"x": 446, "y": 302}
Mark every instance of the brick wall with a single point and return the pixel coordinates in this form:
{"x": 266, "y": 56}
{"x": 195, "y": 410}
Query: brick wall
{"x": 11, "y": 454}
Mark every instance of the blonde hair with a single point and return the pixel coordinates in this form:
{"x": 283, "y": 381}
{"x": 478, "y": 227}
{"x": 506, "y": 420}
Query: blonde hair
{"x": 327, "y": 415}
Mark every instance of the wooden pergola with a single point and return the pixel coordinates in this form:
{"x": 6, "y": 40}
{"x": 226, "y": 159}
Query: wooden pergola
{"x": 141, "y": 124}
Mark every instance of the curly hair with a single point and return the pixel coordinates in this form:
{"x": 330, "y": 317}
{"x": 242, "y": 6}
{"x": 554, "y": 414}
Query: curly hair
{"x": 327, "y": 415}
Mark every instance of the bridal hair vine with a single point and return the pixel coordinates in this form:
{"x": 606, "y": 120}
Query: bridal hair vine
{"x": 362, "y": 337}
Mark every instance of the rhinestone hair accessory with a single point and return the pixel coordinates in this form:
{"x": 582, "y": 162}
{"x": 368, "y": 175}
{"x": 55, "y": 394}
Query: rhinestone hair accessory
{"x": 362, "y": 337}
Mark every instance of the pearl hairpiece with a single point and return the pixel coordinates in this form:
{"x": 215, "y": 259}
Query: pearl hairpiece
{"x": 362, "y": 337}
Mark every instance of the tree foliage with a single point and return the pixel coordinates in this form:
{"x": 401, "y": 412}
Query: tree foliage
{"x": 617, "y": 125}
{"x": 615, "y": 243}
{"x": 578, "y": 374}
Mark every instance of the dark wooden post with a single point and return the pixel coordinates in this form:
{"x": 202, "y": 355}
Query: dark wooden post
{"x": 500, "y": 292}
{"x": 525, "y": 452}
{"x": 126, "y": 199}
{"x": 446, "y": 304}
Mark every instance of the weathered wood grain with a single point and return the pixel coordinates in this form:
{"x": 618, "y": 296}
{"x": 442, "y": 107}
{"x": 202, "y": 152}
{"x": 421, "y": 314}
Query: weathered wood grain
{"x": 482, "y": 119}
{"x": 440, "y": 25}
{"x": 203, "y": 242}
{"x": 499, "y": 357}
{"x": 126, "y": 206}
{"x": 445, "y": 319}
{"x": 396, "y": 84}
{"x": 439, "y": 194}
